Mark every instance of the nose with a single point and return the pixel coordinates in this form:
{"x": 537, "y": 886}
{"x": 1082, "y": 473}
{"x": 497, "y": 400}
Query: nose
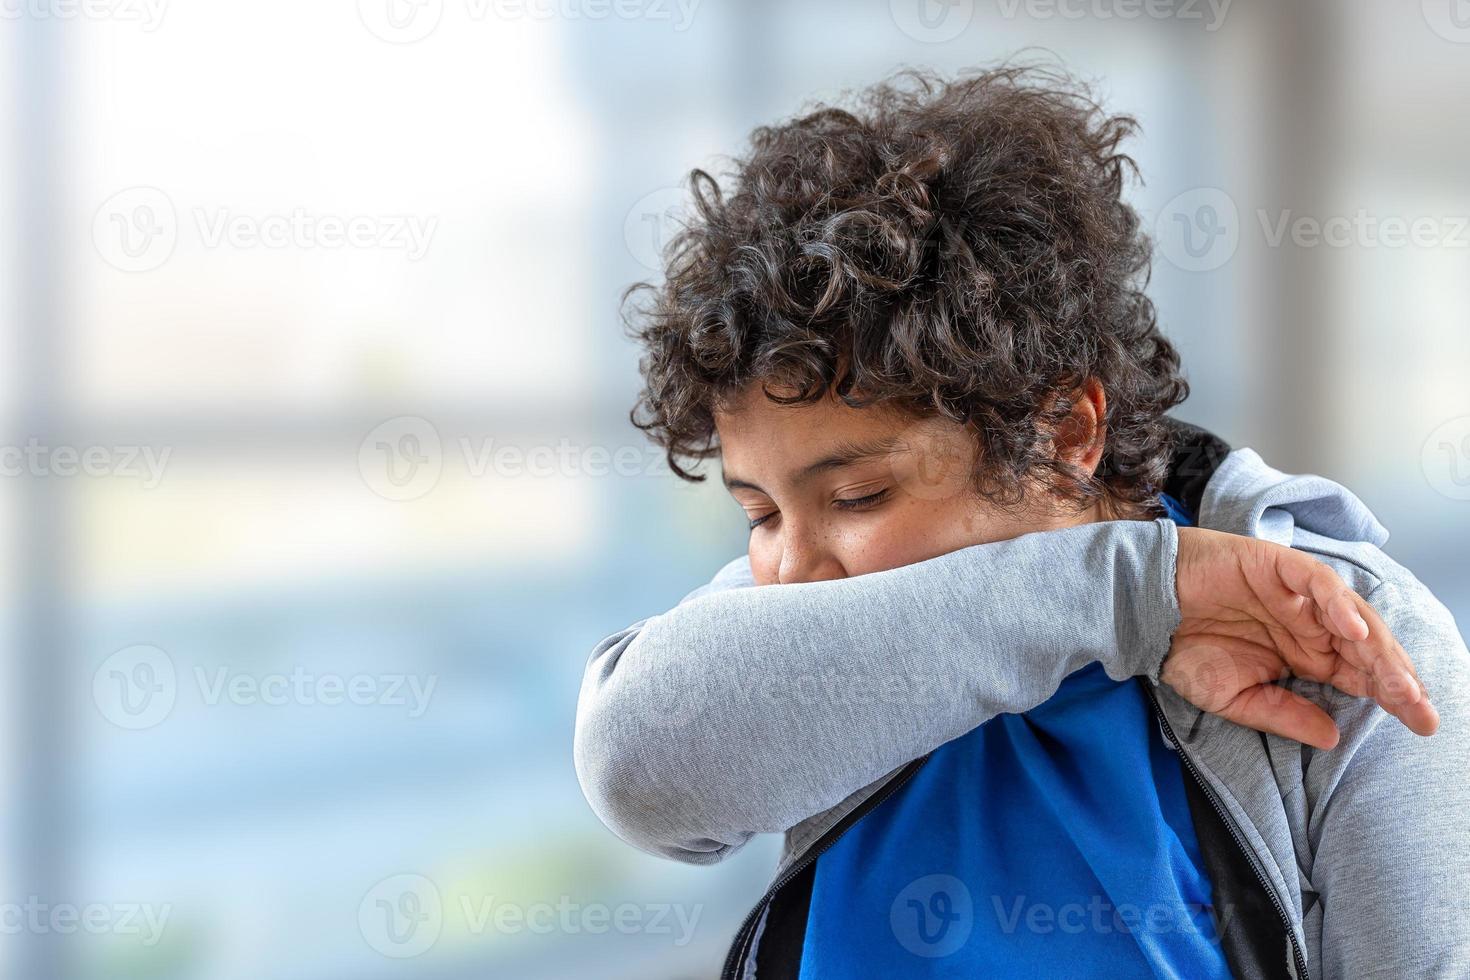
{"x": 805, "y": 556}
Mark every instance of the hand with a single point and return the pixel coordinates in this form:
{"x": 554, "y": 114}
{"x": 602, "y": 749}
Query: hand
{"x": 1255, "y": 612}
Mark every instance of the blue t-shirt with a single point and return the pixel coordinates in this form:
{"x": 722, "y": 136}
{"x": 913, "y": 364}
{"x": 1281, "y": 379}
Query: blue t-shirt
{"x": 1054, "y": 843}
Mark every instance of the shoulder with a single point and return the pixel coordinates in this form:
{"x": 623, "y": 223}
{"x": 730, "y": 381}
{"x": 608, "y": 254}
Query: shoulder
{"x": 1323, "y": 518}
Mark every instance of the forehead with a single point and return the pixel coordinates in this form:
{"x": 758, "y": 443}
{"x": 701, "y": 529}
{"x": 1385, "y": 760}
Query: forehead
{"x": 750, "y": 415}
{"x": 760, "y": 439}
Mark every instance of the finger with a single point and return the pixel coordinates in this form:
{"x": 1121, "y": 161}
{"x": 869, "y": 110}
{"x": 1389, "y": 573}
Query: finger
{"x": 1352, "y": 680}
{"x": 1306, "y": 576}
{"x": 1367, "y": 641}
{"x": 1419, "y": 717}
{"x": 1344, "y": 615}
{"x": 1386, "y": 660}
{"x": 1272, "y": 708}
{"x": 1303, "y": 619}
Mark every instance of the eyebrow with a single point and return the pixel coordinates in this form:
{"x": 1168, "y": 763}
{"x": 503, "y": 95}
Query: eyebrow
{"x": 845, "y": 454}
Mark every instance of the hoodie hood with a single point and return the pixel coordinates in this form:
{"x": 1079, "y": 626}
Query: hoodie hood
{"x": 1247, "y": 496}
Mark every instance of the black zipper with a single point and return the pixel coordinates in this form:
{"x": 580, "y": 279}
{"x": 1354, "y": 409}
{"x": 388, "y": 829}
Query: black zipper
{"x": 1229, "y": 821}
{"x": 738, "y": 949}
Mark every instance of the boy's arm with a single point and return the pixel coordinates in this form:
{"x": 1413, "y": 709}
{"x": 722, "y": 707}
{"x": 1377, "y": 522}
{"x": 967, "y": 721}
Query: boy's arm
{"x": 748, "y": 709}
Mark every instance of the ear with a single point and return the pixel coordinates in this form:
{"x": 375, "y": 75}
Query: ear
{"x": 1081, "y": 436}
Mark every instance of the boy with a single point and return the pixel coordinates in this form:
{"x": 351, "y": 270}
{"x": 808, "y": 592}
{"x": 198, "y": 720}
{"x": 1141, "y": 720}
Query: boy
{"x": 1014, "y": 716}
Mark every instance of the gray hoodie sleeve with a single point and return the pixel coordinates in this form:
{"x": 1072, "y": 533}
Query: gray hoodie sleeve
{"x": 746, "y": 709}
{"x": 1388, "y": 814}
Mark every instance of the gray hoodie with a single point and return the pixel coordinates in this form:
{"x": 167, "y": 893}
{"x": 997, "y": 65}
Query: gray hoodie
{"x": 779, "y": 709}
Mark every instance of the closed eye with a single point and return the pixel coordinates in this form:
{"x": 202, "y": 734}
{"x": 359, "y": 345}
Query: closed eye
{"x": 863, "y": 503}
{"x": 850, "y": 504}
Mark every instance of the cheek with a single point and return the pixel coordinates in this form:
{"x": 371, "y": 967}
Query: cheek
{"x": 910, "y": 529}
{"x": 916, "y": 530}
{"x": 905, "y": 532}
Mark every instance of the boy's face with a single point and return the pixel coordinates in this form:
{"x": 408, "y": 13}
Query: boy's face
{"x": 837, "y": 491}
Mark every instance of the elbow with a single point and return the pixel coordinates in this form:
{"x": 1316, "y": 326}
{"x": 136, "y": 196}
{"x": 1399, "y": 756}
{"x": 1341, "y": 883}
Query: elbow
{"x": 638, "y": 787}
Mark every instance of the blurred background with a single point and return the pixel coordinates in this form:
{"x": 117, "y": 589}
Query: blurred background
{"x": 319, "y": 484}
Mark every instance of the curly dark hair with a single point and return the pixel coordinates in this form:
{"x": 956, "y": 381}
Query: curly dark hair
{"x": 955, "y": 247}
